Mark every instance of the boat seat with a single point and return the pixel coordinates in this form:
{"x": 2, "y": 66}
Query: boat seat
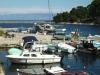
{"x": 91, "y": 45}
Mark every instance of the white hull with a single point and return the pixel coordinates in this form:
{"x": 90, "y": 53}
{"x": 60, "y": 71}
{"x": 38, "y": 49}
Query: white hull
{"x": 86, "y": 51}
{"x": 67, "y": 48}
{"x": 34, "y": 61}
{"x": 33, "y": 58}
{"x": 45, "y": 27}
{"x": 53, "y": 50}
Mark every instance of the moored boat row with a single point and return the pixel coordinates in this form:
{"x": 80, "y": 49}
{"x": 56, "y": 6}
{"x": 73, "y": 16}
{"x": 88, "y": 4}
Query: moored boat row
{"x": 49, "y": 71}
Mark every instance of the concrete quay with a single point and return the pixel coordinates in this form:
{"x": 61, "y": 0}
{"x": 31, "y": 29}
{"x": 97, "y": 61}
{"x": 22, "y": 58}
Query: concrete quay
{"x": 1, "y": 71}
{"x": 19, "y": 36}
{"x": 40, "y": 37}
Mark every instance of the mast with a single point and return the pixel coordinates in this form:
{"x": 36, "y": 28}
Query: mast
{"x": 50, "y": 11}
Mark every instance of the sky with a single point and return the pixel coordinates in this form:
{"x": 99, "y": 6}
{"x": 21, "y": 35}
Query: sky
{"x": 39, "y": 6}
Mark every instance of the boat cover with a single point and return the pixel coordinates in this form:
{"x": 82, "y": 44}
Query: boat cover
{"x": 29, "y": 39}
{"x": 51, "y": 44}
{"x": 96, "y": 44}
{"x": 14, "y": 51}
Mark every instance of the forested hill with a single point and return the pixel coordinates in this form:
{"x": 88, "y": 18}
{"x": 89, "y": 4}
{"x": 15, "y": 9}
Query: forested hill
{"x": 91, "y": 13}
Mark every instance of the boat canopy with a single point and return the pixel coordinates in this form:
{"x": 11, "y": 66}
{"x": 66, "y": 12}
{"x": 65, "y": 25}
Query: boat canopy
{"x": 29, "y": 39}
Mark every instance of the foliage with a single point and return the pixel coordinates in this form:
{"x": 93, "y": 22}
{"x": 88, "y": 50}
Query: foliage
{"x": 62, "y": 17}
{"x": 94, "y": 10}
{"x": 76, "y": 13}
{"x": 80, "y": 13}
{"x": 73, "y": 18}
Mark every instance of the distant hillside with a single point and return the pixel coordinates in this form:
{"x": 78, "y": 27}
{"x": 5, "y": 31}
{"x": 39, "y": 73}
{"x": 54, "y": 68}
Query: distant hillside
{"x": 31, "y": 16}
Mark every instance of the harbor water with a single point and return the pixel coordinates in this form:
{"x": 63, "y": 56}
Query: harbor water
{"x": 83, "y": 29}
{"x": 77, "y": 62}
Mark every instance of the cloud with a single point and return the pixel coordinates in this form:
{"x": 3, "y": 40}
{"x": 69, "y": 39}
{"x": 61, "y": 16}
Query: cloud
{"x": 29, "y": 10}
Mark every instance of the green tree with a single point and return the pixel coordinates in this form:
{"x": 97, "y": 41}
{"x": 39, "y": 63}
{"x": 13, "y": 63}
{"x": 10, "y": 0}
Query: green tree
{"x": 55, "y": 19}
{"x": 73, "y": 11}
{"x": 65, "y": 16}
{"x": 94, "y": 10}
{"x": 80, "y": 13}
{"x": 73, "y": 18}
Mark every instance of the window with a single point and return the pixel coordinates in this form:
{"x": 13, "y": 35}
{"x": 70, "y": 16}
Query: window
{"x": 33, "y": 55}
{"x": 26, "y": 55}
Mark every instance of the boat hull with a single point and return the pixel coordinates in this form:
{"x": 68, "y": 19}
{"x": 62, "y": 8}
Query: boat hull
{"x": 34, "y": 60}
{"x": 87, "y": 51}
{"x": 67, "y": 48}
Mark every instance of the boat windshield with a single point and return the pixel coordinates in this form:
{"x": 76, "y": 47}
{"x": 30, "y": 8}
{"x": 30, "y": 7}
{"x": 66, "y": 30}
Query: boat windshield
{"x": 26, "y": 55}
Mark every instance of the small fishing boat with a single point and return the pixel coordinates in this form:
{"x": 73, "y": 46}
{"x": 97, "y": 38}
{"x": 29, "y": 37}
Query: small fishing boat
{"x": 45, "y": 27}
{"x": 22, "y": 29}
{"x": 53, "y": 48}
{"x": 67, "y": 48}
{"x": 29, "y": 57}
{"x": 87, "y": 46}
{"x": 60, "y": 28}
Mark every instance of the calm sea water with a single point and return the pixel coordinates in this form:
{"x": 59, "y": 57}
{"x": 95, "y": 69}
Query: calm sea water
{"x": 83, "y": 29}
{"x": 77, "y": 62}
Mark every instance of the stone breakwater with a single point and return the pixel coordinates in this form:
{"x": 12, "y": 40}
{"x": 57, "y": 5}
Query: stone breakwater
{"x": 4, "y": 29}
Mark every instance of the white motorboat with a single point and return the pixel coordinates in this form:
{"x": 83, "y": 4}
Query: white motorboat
{"x": 53, "y": 48}
{"x": 60, "y": 28}
{"x": 29, "y": 57}
{"x": 67, "y": 48}
{"x": 45, "y": 27}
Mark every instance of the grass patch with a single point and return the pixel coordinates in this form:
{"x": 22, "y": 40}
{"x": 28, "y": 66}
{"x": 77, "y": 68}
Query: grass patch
{"x": 1, "y": 33}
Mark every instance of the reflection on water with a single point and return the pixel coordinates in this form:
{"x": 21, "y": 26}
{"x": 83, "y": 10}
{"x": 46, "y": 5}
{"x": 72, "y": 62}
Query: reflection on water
{"x": 77, "y": 62}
